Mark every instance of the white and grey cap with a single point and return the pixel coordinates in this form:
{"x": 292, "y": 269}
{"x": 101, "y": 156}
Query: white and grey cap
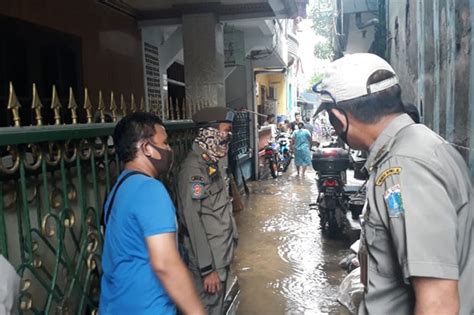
{"x": 347, "y": 78}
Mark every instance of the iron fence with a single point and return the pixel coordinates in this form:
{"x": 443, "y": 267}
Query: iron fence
{"x": 53, "y": 181}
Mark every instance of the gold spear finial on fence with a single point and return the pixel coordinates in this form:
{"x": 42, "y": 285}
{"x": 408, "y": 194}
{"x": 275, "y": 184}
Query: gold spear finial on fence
{"x": 72, "y": 106}
{"x": 14, "y": 105}
{"x": 166, "y": 110}
{"x": 192, "y": 107}
{"x": 113, "y": 106}
{"x": 185, "y": 109}
{"x": 101, "y": 107}
{"x": 88, "y": 106}
{"x": 56, "y": 106}
{"x": 36, "y": 105}
{"x": 142, "y": 105}
{"x": 123, "y": 106}
{"x": 133, "y": 105}
{"x": 178, "y": 109}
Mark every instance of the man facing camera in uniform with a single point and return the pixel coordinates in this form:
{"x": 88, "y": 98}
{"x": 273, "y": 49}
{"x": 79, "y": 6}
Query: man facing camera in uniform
{"x": 417, "y": 252}
{"x": 142, "y": 270}
{"x": 208, "y": 228}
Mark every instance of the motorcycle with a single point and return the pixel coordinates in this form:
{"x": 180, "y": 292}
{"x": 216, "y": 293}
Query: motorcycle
{"x": 271, "y": 153}
{"x": 285, "y": 157}
{"x": 330, "y": 165}
{"x": 278, "y": 154}
{"x": 333, "y": 143}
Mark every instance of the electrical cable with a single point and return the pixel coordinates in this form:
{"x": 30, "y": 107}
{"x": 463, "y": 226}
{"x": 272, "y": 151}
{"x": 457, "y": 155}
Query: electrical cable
{"x": 268, "y": 52}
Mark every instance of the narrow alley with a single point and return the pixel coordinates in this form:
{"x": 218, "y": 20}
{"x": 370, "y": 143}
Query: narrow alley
{"x": 284, "y": 264}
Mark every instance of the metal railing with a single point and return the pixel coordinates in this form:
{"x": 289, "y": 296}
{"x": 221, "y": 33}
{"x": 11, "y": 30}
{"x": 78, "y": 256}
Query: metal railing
{"x": 182, "y": 109}
{"x": 53, "y": 181}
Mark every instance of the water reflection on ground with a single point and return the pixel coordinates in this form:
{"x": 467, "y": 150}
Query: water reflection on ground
{"x": 284, "y": 264}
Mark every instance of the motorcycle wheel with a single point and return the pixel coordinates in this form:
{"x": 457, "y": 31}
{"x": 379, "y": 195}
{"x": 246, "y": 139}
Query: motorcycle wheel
{"x": 273, "y": 169}
{"x": 288, "y": 158}
{"x": 333, "y": 226}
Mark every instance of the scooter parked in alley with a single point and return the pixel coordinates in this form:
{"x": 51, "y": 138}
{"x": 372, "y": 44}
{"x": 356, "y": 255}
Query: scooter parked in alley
{"x": 330, "y": 165}
{"x": 277, "y": 154}
{"x": 271, "y": 157}
{"x": 285, "y": 156}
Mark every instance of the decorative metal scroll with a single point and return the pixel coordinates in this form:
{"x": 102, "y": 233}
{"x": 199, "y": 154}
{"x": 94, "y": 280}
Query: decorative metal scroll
{"x": 53, "y": 181}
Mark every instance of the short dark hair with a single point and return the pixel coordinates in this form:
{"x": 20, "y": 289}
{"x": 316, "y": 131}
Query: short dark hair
{"x": 297, "y": 114}
{"x": 371, "y": 108}
{"x": 412, "y": 110}
{"x": 270, "y": 117}
{"x": 130, "y": 130}
{"x": 301, "y": 125}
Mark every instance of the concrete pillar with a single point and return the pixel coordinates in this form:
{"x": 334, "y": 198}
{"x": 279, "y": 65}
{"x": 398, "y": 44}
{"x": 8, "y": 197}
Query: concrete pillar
{"x": 203, "y": 42}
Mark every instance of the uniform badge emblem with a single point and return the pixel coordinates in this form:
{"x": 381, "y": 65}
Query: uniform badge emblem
{"x": 197, "y": 179}
{"x": 387, "y": 173}
{"x": 211, "y": 170}
{"x": 198, "y": 190}
{"x": 393, "y": 199}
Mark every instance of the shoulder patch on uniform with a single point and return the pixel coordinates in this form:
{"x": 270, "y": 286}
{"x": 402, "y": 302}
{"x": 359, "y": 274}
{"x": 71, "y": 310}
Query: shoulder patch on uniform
{"x": 387, "y": 173}
{"x": 393, "y": 199}
{"x": 198, "y": 190}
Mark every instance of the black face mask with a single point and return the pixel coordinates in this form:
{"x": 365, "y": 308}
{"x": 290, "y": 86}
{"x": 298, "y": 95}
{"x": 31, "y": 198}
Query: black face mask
{"x": 337, "y": 124}
{"x": 163, "y": 165}
{"x": 343, "y": 135}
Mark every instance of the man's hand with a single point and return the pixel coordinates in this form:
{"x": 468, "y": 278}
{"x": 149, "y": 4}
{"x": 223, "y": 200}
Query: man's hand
{"x": 435, "y": 296}
{"x": 212, "y": 282}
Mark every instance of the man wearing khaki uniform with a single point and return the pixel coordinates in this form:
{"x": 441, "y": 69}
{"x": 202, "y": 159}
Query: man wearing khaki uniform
{"x": 207, "y": 227}
{"x": 417, "y": 253}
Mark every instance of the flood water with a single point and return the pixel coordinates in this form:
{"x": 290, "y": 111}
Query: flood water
{"x": 284, "y": 264}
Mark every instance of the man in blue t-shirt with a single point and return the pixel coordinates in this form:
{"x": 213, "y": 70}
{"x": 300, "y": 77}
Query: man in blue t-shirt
{"x": 142, "y": 270}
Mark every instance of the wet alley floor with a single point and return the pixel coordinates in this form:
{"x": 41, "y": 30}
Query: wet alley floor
{"x": 284, "y": 264}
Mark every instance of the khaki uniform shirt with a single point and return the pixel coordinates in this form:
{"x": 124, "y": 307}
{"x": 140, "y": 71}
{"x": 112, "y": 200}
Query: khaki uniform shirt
{"x": 418, "y": 219}
{"x": 205, "y": 212}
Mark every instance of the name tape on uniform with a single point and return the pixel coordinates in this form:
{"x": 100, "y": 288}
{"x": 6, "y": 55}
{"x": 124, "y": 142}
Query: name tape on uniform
{"x": 387, "y": 173}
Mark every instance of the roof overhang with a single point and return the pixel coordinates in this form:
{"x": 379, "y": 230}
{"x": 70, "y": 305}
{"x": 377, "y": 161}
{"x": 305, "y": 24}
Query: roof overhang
{"x": 152, "y": 12}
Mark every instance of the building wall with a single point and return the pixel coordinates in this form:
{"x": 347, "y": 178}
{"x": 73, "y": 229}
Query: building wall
{"x": 110, "y": 40}
{"x": 279, "y": 82}
{"x": 261, "y": 80}
{"x": 359, "y": 40}
{"x": 430, "y": 48}
{"x": 236, "y": 88}
{"x": 292, "y": 92}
